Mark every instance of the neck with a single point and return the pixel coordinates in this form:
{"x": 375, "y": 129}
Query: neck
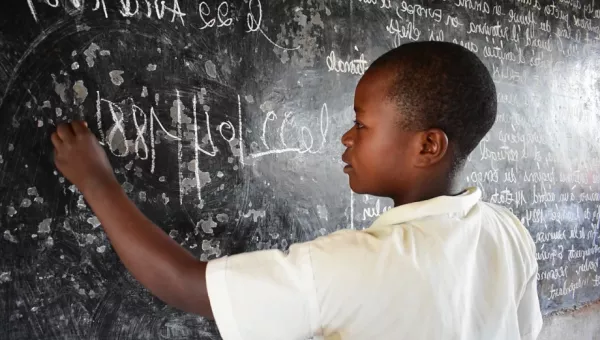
{"x": 427, "y": 189}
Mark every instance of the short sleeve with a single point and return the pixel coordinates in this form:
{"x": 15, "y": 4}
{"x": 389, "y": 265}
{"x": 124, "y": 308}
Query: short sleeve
{"x": 529, "y": 314}
{"x": 264, "y": 295}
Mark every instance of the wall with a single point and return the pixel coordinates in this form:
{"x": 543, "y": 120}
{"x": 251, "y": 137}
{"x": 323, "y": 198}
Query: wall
{"x": 582, "y": 324}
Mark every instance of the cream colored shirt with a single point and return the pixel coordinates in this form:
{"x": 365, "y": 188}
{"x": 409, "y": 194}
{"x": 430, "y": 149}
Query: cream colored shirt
{"x": 446, "y": 268}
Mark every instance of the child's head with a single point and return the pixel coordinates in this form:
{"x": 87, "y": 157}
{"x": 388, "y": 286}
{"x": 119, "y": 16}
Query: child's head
{"x": 420, "y": 109}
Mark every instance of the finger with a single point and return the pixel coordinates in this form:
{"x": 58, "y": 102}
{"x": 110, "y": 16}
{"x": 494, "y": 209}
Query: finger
{"x": 56, "y": 141}
{"x": 65, "y": 132}
{"x": 79, "y": 127}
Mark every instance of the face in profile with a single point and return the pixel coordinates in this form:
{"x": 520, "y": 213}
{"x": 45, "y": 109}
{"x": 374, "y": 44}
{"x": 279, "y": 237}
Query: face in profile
{"x": 378, "y": 151}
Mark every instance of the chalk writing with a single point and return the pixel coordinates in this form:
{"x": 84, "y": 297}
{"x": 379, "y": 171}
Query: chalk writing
{"x": 567, "y": 288}
{"x": 493, "y": 31}
{"x": 553, "y": 254}
{"x": 420, "y": 11}
{"x": 401, "y": 29}
{"x": 221, "y": 19}
{"x": 374, "y": 211}
{"x": 554, "y": 11}
{"x": 306, "y": 141}
{"x": 356, "y": 66}
{"x": 385, "y": 4}
{"x": 554, "y": 274}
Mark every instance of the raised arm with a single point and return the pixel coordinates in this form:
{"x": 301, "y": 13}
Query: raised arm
{"x": 155, "y": 260}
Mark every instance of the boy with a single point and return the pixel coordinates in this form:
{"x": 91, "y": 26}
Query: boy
{"x": 438, "y": 266}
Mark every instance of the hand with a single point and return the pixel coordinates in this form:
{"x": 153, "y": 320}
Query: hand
{"x": 80, "y": 158}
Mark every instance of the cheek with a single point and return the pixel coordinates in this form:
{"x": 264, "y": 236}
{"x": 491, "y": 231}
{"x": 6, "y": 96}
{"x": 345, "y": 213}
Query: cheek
{"x": 376, "y": 159}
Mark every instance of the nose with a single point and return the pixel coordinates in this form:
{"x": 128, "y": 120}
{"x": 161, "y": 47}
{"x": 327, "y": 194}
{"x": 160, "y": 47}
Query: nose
{"x": 348, "y": 138}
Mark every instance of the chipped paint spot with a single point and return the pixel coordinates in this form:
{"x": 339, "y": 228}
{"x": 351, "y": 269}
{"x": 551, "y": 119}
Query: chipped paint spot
{"x": 44, "y": 226}
{"x": 90, "y": 54}
{"x": 75, "y": 66}
{"x": 39, "y": 200}
{"x": 188, "y": 184}
{"x": 5, "y": 277}
{"x": 222, "y": 218}
{"x": 58, "y": 112}
{"x": 101, "y": 249}
{"x": 116, "y": 77}
{"x": 142, "y": 196}
{"x": 211, "y": 68}
{"x": 162, "y": 179}
{"x": 26, "y": 203}
{"x": 234, "y": 147}
{"x": 94, "y": 221}
{"x": 11, "y": 211}
{"x": 201, "y": 95}
{"x": 32, "y": 191}
{"x": 178, "y": 105}
{"x": 89, "y": 238}
{"x": 144, "y": 92}
{"x": 46, "y": 105}
{"x": 207, "y": 225}
{"x": 165, "y": 198}
{"x": 105, "y": 53}
{"x": 83, "y": 27}
{"x": 173, "y": 233}
{"x": 255, "y": 214}
{"x": 60, "y": 89}
{"x": 81, "y": 92}
{"x": 208, "y": 249}
{"x": 81, "y": 202}
{"x": 220, "y": 174}
{"x": 322, "y": 212}
{"x": 249, "y": 99}
{"x": 9, "y": 237}
{"x": 128, "y": 187}
{"x": 50, "y": 241}
{"x": 151, "y": 67}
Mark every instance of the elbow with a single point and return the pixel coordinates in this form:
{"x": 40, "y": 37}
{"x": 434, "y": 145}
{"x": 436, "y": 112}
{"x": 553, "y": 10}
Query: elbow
{"x": 190, "y": 293}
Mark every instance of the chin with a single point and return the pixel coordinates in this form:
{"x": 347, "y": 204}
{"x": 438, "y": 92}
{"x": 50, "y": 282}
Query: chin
{"x": 362, "y": 189}
{"x": 357, "y": 188}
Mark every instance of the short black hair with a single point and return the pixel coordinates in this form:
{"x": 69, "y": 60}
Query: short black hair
{"x": 442, "y": 85}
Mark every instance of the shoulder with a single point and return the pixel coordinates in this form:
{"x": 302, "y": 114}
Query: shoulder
{"x": 513, "y": 228}
{"x": 508, "y": 219}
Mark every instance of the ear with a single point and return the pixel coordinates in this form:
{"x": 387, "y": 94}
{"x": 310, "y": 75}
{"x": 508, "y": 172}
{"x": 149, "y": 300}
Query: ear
{"x": 433, "y": 145}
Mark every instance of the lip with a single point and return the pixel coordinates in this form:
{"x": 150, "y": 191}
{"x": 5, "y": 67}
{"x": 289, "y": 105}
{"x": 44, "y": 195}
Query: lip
{"x": 348, "y": 166}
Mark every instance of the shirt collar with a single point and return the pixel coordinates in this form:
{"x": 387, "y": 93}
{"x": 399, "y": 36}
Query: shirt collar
{"x": 440, "y": 205}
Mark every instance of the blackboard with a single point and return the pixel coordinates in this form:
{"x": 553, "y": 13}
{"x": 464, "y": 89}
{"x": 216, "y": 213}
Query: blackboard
{"x": 223, "y": 122}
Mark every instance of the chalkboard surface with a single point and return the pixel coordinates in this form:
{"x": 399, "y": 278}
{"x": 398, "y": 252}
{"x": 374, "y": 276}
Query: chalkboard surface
{"x": 223, "y": 120}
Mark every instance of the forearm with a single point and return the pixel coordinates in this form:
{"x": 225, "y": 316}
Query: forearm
{"x": 155, "y": 260}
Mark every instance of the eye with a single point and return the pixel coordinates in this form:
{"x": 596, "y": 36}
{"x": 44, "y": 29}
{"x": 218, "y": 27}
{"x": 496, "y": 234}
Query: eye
{"x": 358, "y": 124}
